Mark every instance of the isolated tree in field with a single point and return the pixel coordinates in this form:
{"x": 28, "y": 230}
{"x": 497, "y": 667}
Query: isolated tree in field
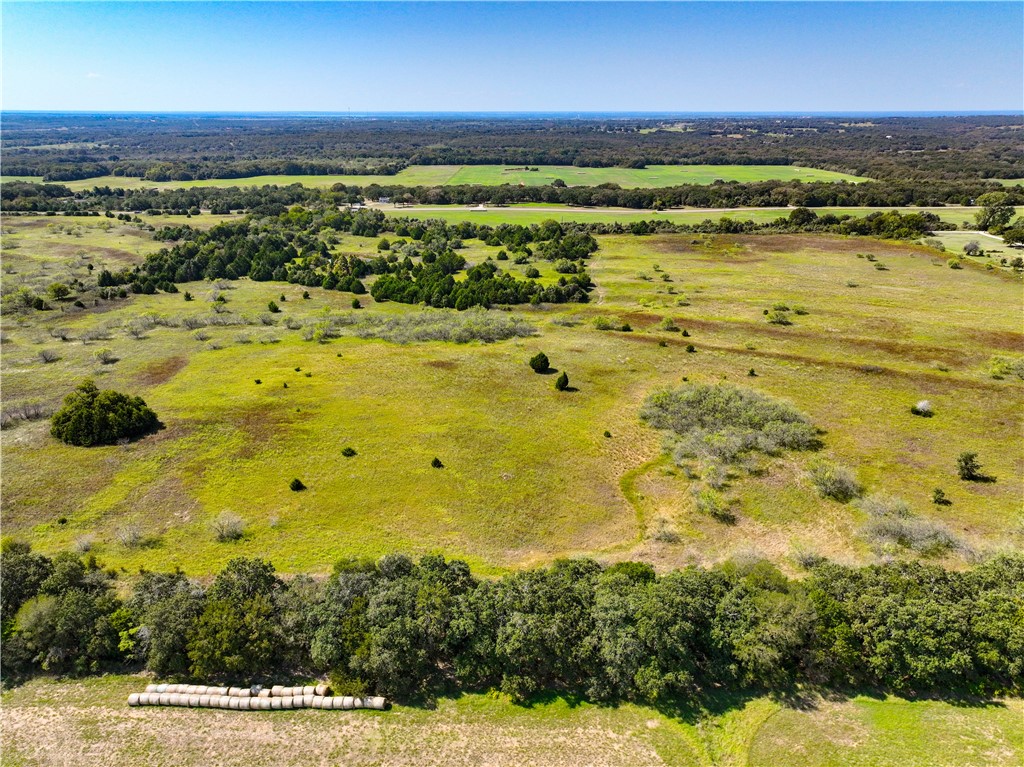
{"x": 58, "y": 290}
{"x": 273, "y": 307}
{"x": 562, "y": 382}
{"x": 995, "y": 211}
{"x": 972, "y": 248}
{"x": 968, "y": 467}
{"x": 93, "y": 417}
{"x": 539, "y": 362}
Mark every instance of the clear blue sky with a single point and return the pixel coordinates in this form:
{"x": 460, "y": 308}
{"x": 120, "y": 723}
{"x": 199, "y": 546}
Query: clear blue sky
{"x": 513, "y": 56}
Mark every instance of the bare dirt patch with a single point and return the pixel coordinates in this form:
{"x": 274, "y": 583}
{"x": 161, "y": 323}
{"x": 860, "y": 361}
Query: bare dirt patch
{"x": 163, "y": 371}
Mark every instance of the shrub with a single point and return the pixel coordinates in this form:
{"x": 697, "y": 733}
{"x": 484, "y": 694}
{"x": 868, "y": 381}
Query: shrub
{"x": 273, "y": 307}
{"x": 436, "y": 463}
{"x": 752, "y": 373}
{"x": 669, "y": 325}
{"x": 1005, "y": 367}
{"x": 608, "y": 434}
{"x": 129, "y": 536}
{"x": 305, "y": 294}
{"x": 532, "y": 273}
{"x": 228, "y": 526}
{"x": 436, "y": 325}
{"x": 296, "y": 485}
{"x": 690, "y": 349}
{"x": 626, "y": 328}
{"x": 923, "y": 409}
{"x": 603, "y": 323}
{"x": 834, "y": 481}
{"x": 968, "y": 467}
{"x": 723, "y": 422}
{"x": 539, "y": 362}
{"x": 48, "y": 355}
{"x": 686, "y": 334}
{"x": 348, "y": 452}
{"x": 356, "y": 304}
{"x": 106, "y": 357}
{"x": 259, "y": 381}
{"x": 188, "y": 296}
{"x": 954, "y": 263}
{"x": 778, "y": 317}
{"x": 93, "y": 417}
{"x": 892, "y": 523}
{"x": 711, "y": 503}
{"x": 939, "y": 497}
{"x": 562, "y": 382}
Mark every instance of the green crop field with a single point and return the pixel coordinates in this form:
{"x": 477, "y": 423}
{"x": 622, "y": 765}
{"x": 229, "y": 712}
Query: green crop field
{"x": 88, "y": 723}
{"x": 490, "y": 175}
{"x": 536, "y": 213}
{"x": 529, "y": 473}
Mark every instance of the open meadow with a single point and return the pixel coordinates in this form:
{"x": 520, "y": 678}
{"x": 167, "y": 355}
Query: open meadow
{"x": 493, "y": 175}
{"x": 529, "y": 473}
{"x": 47, "y": 722}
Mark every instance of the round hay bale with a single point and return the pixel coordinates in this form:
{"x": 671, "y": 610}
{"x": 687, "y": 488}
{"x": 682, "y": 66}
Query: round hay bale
{"x": 264, "y": 693}
{"x": 193, "y": 701}
{"x": 288, "y": 701}
{"x": 202, "y": 689}
{"x": 224, "y": 701}
{"x": 378, "y": 703}
{"x": 245, "y": 704}
{"x": 276, "y": 704}
{"x": 347, "y": 702}
{"x": 318, "y": 701}
{"x": 309, "y": 690}
{"x": 321, "y": 690}
{"x": 357, "y": 703}
{"x": 277, "y": 691}
{"x": 233, "y": 692}
{"x": 141, "y": 700}
{"x": 160, "y": 688}
{"x": 264, "y": 704}
{"x": 150, "y": 688}
{"x": 307, "y": 700}
{"x": 233, "y": 703}
{"x": 328, "y": 703}
{"x": 133, "y": 699}
{"x": 172, "y": 699}
{"x": 204, "y": 701}
{"x": 165, "y": 699}
{"x": 190, "y": 689}
{"x": 221, "y": 691}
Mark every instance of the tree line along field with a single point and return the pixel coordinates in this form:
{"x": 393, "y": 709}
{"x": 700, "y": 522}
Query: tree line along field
{"x": 453, "y": 175}
{"x": 482, "y": 729}
{"x": 529, "y": 473}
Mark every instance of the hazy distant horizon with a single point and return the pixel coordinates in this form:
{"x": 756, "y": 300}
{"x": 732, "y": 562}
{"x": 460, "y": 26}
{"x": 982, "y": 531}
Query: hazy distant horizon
{"x": 571, "y": 114}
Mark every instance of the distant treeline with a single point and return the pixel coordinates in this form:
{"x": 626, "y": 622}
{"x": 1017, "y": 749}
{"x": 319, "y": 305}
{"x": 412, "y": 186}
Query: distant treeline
{"x": 186, "y": 147}
{"x": 412, "y": 630}
{"x": 30, "y": 197}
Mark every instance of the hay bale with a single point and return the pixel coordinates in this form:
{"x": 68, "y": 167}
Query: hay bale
{"x": 309, "y": 690}
{"x": 190, "y": 689}
{"x": 159, "y": 688}
{"x": 321, "y": 690}
{"x": 133, "y": 699}
{"x": 378, "y": 703}
{"x": 276, "y": 691}
{"x": 327, "y": 704}
{"x": 165, "y": 699}
{"x": 264, "y": 704}
{"x": 357, "y": 703}
{"x": 276, "y": 704}
{"x": 192, "y": 701}
{"x": 347, "y": 702}
{"x": 318, "y": 701}
{"x": 150, "y": 688}
{"x": 264, "y": 693}
{"x": 307, "y": 700}
{"x": 245, "y": 704}
{"x": 204, "y": 701}
{"x": 224, "y": 701}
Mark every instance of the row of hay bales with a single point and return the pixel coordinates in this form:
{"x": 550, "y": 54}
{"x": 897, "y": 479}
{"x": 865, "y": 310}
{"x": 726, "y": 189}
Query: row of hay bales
{"x": 251, "y": 699}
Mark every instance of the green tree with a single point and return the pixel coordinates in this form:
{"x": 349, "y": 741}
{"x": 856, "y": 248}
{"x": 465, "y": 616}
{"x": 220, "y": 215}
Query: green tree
{"x": 968, "y": 467}
{"x": 995, "y": 212}
{"x": 539, "y": 362}
{"x": 93, "y": 417}
{"x": 562, "y": 382}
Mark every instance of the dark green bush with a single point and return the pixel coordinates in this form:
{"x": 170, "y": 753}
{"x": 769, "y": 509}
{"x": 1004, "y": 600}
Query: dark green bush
{"x": 93, "y": 417}
{"x": 562, "y": 382}
{"x": 296, "y": 485}
{"x": 540, "y": 363}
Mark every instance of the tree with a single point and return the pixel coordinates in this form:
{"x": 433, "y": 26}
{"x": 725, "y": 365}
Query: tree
{"x": 273, "y": 307}
{"x": 539, "y": 362}
{"x": 968, "y": 467}
{"x": 58, "y": 290}
{"x": 21, "y": 575}
{"x": 995, "y": 211}
{"x": 562, "y": 382}
{"x": 93, "y": 417}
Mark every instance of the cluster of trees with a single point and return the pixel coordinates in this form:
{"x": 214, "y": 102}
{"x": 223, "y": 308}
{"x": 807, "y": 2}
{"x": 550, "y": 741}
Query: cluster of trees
{"x": 272, "y": 200}
{"x": 195, "y": 147}
{"x": 413, "y": 629}
{"x": 94, "y": 417}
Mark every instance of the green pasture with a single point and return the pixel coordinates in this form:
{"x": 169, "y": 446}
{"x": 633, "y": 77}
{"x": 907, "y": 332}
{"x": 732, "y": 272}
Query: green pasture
{"x": 493, "y": 175}
{"x": 87, "y": 722}
{"x": 529, "y": 475}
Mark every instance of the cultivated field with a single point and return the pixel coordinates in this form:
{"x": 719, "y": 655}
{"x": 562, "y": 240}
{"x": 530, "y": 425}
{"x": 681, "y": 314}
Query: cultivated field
{"x": 87, "y": 723}
{"x": 529, "y": 473}
{"x": 492, "y": 175}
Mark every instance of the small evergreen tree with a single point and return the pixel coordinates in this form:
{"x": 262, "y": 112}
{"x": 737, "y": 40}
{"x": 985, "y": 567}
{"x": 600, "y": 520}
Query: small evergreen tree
{"x": 296, "y": 485}
{"x": 93, "y": 417}
{"x": 968, "y": 467}
{"x": 436, "y": 463}
{"x": 562, "y": 382}
{"x": 539, "y": 362}
{"x": 273, "y": 307}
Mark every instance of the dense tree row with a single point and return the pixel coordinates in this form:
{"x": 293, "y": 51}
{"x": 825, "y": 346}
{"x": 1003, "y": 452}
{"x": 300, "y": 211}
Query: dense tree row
{"x": 409, "y": 630}
{"x": 269, "y": 200}
{"x": 204, "y": 146}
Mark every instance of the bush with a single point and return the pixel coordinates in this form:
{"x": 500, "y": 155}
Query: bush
{"x": 723, "y": 422}
{"x": 778, "y": 317}
{"x": 48, "y": 355}
{"x": 296, "y": 485}
{"x": 939, "y": 497}
{"x": 93, "y": 417}
{"x": 923, "y": 409}
{"x": 348, "y": 452}
{"x": 228, "y": 526}
{"x": 968, "y": 468}
{"x": 834, "y": 481}
{"x": 603, "y": 323}
{"x": 106, "y": 357}
{"x": 532, "y": 273}
{"x": 690, "y": 349}
{"x": 539, "y": 362}
{"x": 710, "y": 502}
{"x": 273, "y": 307}
{"x": 356, "y": 304}
{"x": 562, "y": 382}
{"x": 436, "y": 463}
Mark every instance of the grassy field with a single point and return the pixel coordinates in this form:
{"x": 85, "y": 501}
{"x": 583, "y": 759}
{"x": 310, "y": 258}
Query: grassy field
{"x": 491, "y": 175}
{"x": 535, "y": 213}
{"x": 47, "y": 722}
{"x": 529, "y": 475}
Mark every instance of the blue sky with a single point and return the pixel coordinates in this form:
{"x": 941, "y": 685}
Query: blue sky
{"x": 750, "y": 57}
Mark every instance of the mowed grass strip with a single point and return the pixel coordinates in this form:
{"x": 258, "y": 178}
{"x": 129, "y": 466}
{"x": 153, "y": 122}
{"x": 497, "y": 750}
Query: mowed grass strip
{"x": 88, "y": 722}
